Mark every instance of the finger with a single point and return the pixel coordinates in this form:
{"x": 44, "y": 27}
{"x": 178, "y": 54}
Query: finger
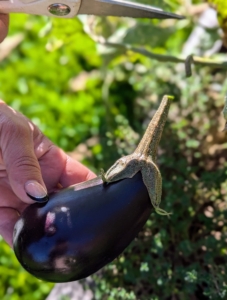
{"x": 10, "y": 209}
{"x": 4, "y": 24}
{"x": 52, "y": 164}
{"x": 57, "y": 167}
{"x": 22, "y": 167}
{"x": 74, "y": 172}
{"x": 8, "y": 197}
{"x": 8, "y": 218}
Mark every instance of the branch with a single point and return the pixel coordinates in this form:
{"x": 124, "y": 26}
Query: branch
{"x": 191, "y": 59}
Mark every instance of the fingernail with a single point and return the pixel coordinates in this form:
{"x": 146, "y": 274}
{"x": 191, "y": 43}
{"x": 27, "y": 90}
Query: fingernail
{"x": 36, "y": 191}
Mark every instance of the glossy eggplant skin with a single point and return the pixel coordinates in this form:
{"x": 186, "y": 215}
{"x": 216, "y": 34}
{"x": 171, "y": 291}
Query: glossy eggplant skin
{"x": 80, "y": 229}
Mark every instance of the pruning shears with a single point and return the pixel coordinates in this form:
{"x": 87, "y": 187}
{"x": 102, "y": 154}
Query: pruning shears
{"x": 71, "y": 8}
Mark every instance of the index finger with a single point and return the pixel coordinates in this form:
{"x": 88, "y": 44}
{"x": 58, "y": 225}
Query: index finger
{"x": 8, "y": 218}
{"x": 58, "y": 168}
{"x": 4, "y": 24}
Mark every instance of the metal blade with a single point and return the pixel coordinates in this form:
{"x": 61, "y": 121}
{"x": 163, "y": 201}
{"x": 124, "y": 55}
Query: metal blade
{"x": 124, "y": 9}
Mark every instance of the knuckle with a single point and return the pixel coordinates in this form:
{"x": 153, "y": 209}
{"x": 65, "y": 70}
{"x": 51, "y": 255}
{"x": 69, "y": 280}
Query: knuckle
{"x": 26, "y": 163}
{"x": 12, "y": 126}
{"x": 23, "y": 167}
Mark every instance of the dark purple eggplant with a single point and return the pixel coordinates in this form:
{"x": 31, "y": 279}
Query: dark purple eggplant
{"x": 81, "y": 228}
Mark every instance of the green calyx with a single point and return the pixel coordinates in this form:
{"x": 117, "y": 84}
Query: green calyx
{"x": 102, "y": 173}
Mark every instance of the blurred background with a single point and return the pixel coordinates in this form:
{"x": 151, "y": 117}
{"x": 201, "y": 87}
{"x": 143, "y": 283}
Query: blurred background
{"x": 95, "y": 101}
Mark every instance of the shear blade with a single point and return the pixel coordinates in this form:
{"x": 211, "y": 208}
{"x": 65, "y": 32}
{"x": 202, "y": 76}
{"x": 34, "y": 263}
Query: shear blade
{"x": 124, "y": 9}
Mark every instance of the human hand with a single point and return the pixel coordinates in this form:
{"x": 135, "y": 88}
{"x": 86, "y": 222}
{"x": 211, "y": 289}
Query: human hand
{"x": 31, "y": 166}
{"x": 4, "y": 24}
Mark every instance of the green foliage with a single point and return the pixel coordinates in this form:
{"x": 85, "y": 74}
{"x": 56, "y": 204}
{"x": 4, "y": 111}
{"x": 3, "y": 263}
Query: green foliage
{"x": 80, "y": 93}
{"x": 37, "y": 75}
{"x": 184, "y": 255}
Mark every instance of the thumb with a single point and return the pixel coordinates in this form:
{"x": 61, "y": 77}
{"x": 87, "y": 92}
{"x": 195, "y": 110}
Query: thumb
{"x": 21, "y": 163}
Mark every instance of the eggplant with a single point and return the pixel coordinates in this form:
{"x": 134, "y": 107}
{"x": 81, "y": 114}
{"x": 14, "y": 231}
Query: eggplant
{"x": 81, "y": 228}
{"x": 86, "y": 226}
